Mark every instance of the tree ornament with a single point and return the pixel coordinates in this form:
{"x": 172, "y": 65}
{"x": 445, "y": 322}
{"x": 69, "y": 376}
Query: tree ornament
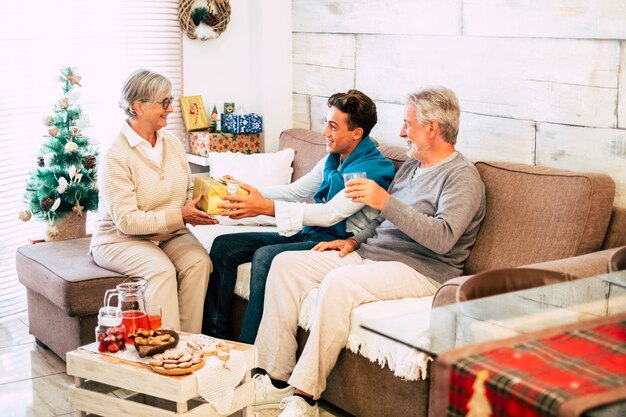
{"x": 46, "y": 203}
{"x": 83, "y": 122}
{"x": 25, "y": 215}
{"x": 53, "y": 131}
{"x": 47, "y": 159}
{"x": 89, "y": 162}
{"x": 78, "y": 209}
{"x": 75, "y": 131}
{"x": 40, "y": 162}
{"x": 64, "y": 103}
{"x": 52, "y": 232}
{"x": 72, "y": 97}
{"x": 63, "y": 184}
{"x": 56, "y": 205}
{"x": 71, "y": 147}
{"x": 74, "y": 79}
{"x": 48, "y": 121}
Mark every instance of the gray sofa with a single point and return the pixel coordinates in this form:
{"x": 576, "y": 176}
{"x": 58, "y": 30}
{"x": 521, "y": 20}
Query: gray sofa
{"x": 557, "y": 219}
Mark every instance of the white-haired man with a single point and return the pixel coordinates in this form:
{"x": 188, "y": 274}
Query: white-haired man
{"x": 429, "y": 220}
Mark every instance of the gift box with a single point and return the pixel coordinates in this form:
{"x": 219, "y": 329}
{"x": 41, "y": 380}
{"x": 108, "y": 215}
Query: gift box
{"x": 213, "y": 192}
{"x": 193, "y": 112}
{"x": 242, "y": 123}
{"x": 201, "y": 143}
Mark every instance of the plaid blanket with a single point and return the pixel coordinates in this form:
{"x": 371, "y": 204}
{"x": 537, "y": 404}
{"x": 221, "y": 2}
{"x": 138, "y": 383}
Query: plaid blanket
{"x": 534, "y": 378}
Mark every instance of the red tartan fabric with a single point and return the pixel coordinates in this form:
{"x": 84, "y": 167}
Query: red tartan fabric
{"x": 534, "y": 378}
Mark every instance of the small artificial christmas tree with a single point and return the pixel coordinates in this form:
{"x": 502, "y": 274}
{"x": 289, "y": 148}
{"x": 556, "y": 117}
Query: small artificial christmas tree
{"x": 64, "y": 184}
{"x": 213, "y": 120}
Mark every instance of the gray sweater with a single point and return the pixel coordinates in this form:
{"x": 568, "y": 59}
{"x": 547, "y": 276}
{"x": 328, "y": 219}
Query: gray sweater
{"x": 431, "y": 220}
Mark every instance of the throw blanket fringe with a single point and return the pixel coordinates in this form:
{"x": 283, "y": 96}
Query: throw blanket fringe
{"x": 405, "y": 362}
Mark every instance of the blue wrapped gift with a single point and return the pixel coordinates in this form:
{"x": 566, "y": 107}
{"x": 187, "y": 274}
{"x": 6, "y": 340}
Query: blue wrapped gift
{"x": 242, "y": 123}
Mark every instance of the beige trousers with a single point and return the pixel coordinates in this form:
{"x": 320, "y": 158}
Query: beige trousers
{"x": 183, "y": 256}
{"x": 344, "y": 283}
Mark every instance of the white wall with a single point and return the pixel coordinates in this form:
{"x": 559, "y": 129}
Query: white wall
{"x": 540, "y": 82}
{"x": 249, "y": 64}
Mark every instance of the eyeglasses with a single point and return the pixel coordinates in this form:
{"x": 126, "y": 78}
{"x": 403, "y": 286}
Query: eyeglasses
{"x": 166, "y": 102}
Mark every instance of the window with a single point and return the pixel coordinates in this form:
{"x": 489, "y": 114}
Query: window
{"x": 105, "y": 41}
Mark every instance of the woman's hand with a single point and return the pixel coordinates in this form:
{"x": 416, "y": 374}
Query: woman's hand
{"x": 193, "y": 216}
{"x": 343, "y": 246}
{"x": 250, "y": 205}
{"x": 364, "y": 191}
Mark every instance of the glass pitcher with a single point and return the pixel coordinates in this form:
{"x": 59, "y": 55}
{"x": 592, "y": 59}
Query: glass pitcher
{"x": 132, "y": 302}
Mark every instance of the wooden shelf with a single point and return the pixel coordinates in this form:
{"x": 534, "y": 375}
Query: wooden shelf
{"x": 198, "y": 160}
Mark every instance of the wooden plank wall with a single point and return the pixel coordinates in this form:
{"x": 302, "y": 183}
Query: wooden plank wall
{"x": 540, "y": 82}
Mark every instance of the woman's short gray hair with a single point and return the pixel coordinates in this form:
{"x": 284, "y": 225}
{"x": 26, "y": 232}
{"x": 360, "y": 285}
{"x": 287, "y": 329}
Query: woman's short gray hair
{"x": 438, "y": 104}
{"x": 143, "y": 85}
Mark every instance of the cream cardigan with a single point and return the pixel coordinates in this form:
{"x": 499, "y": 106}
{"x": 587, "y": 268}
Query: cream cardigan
{"x": 139, "y": 200}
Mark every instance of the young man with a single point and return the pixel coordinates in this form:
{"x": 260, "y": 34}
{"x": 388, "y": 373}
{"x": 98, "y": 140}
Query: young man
{"x": 428, "y": 222}
{"x": 350, "y": 118}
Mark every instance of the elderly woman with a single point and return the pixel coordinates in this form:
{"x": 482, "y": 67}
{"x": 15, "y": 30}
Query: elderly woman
{"x": 145, "y": 202}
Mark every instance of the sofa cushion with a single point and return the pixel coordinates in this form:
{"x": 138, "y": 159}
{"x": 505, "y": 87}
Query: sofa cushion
{"x": 537, "y": 214}
{"x": 258, "y": 169}
{"x": 309, "y": 148}
{"x": 395, "y": 154}
{"x": 64, "y": 273}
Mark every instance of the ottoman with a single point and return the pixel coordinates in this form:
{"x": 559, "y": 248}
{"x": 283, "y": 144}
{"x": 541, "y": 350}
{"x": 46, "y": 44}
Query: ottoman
{"x": 64, "y": 290}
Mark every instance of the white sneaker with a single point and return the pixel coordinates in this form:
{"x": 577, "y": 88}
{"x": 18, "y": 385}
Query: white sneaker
{"x": 297, "y": 407}
{"x": 267, "y": 395}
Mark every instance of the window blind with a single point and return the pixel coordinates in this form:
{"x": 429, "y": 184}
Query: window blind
{"x": 105, "y": 41}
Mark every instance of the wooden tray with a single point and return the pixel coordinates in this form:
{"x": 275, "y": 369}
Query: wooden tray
{"x": 177, "y": 371}
{"x": 149, "y": 350}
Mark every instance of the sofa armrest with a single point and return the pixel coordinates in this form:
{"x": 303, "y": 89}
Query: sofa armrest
{"x": 582, "y": 266}
{"x": 446, "y": 294}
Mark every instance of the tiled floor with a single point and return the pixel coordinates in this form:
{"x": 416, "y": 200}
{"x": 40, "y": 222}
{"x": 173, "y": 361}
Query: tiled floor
{"x": 33, "y": 380}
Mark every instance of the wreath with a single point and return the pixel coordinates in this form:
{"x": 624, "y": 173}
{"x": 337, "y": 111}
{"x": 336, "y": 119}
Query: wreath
{"x": 203, "y": 22}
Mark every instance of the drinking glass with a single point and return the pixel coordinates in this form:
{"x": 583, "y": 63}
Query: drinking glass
{"x": 154, "y": 315}
{"x": 352, "y": 175}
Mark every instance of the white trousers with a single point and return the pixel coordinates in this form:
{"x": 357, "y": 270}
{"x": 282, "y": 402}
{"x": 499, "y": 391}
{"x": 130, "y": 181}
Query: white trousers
{"x": 182, "y": 257}
{"x": 344, "y": 283}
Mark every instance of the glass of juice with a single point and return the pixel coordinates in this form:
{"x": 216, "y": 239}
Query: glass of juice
{"x": 154, "y": 315}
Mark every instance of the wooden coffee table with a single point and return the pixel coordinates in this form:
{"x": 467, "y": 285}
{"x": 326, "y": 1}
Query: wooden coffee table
{"x": 97, "y": 375}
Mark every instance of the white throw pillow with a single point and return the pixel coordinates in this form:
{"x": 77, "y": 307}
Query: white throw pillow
{"x": 258, "y": 169}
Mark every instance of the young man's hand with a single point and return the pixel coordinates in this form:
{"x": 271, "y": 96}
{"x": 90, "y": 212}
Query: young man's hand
{"x": 240, "y": 207}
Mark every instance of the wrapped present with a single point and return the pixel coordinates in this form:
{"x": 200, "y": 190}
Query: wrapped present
{"x": 203, "y": 142}
{"x": 242, "y": 123}
{"x": 213, "y": 192}
{"x": 193, "y": 112}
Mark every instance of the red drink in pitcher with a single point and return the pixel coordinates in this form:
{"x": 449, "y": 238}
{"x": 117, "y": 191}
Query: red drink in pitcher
{"x": 134, "y": 320}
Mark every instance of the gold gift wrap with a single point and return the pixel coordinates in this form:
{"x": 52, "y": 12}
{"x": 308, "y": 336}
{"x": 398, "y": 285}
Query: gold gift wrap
{"x": 193, "y": 112}
{"x": 213, "y": 192}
